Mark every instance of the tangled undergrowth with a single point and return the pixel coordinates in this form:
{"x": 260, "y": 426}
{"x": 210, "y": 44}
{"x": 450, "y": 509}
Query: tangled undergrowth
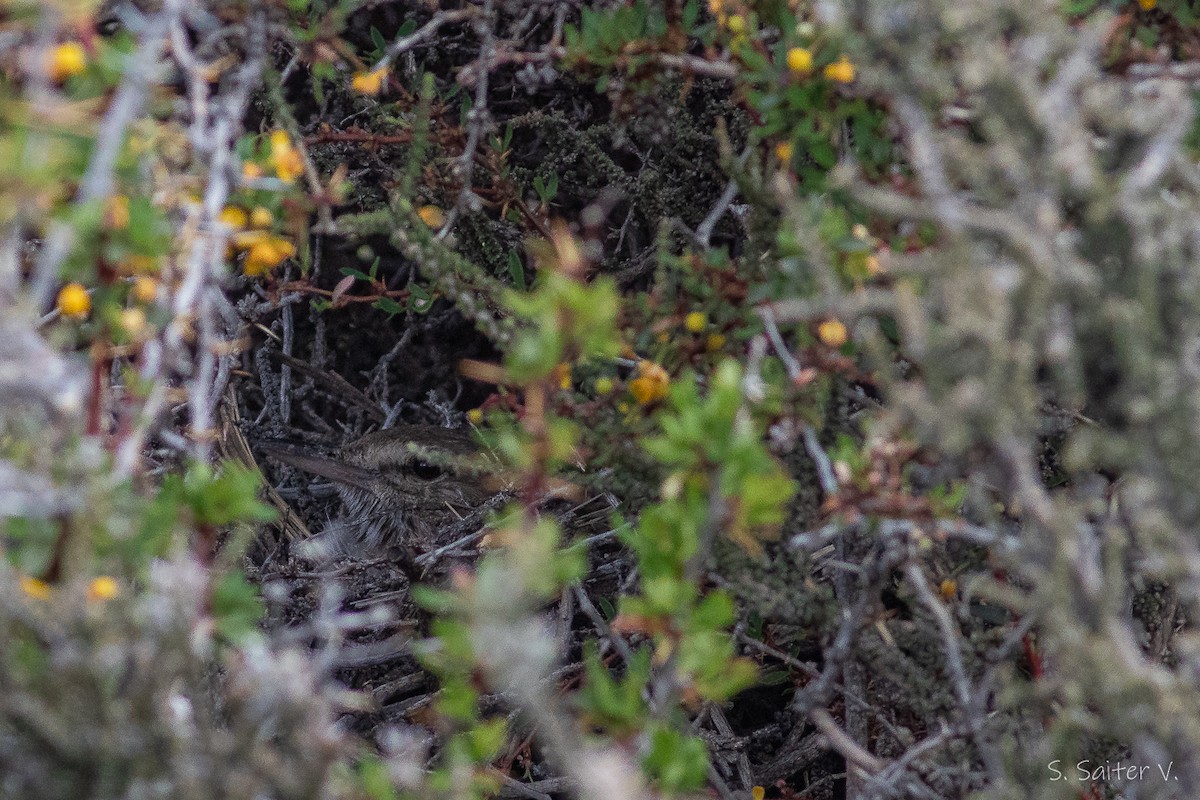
{"x": 836, "y": 365}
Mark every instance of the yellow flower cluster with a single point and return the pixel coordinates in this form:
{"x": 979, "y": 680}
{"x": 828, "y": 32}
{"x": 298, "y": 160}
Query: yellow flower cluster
{"x": 100, "y": 588}
{"x": 840, "y": 71}
{"x": 651, "y": 384}
{"x": 264, "y": 250}
{"x": 74, "y": 301}
{"x": 261, "y": 217}
{"x": 144, "y": 290}
{"x": 432, "y": 216}
{"x": 103, "y": 588}
{"x": 133, "y": 321}
{"x": 35, "y": 588}
{"x": 734, "y": 23}
{"x": 800, "y": 60}
{"x": 66, "y": 59}
{"x": 370, "y": 83}
{"x": 234, "y": 217}
{"x": 285, "y": 158}
{"x": 832, "y": 333}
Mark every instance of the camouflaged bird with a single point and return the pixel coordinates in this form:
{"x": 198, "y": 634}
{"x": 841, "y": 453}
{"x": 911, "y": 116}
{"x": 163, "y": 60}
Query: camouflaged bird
{"x": 405, "y": 486}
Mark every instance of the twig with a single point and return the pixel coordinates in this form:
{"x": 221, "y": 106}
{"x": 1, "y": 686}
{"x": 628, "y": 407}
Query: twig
{"x": 839, "y": 741}
{"x": 426, "y": 31}
{"x": 592, "y": 613}
{"x": 478, "y": 120}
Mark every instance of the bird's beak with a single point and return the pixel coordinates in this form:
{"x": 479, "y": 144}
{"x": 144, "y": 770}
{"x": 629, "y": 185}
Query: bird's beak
{"x": 336, "y": 471}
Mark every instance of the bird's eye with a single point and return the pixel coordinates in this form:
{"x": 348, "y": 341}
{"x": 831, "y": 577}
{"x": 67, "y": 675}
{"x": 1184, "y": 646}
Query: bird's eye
{"x": 426, "y": 471}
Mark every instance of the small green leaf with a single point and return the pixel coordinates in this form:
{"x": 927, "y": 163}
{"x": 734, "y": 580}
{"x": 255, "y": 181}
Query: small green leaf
{"x": 420, "y": 300}
{"x": 355, "y": 273}
{"x": 679, "y": 762}
{"x": 388, "y": 306}
{"x": 378, "y": 40}
{"x": 516, "y": 270}
{"x": 236, "y": 606}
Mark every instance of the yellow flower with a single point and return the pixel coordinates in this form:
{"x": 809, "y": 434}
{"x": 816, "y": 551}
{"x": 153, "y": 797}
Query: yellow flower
{"x": 758, "y": 793}
{"x": 285, "y": 158}
{"x": 74, "y": 301}
{"x": 841, "y": 71}
{"x": 800, "y": 60}
{"x": 118, "y": 211}
{"x": 832, "y": 333}
{"x": 695, "y": 322}
{"x": 133, "y": 321}
{"x": 651, "y": 384}
{"x": 432, "y": 216}
{"x": 562, "y": 376}
{"x": 37, "y": 589}
{"x": 1148, "y": 5}
{"x": 874, "y": 266}
{"x": 604, "y": 385}
{"x": 475, "y": 416}
{"x": 736, "y": 24}
{"x": 67, "y": 59}
{"x": 266, "y": 254}
{"x": 234, "y": 217}
{"x": 948, "y": 589}
{"x": 103, "y": 588}
{"x": 715, "y": 342}
{"x": 369, "y": 82}
{"x": 783, "y": 152}
{"x": 144, "y": 289}
{"x": 251, "y": 171}
{"x": 716, "y": 6}
{"x": 261, "y": 217}
{"x": 244, "y": 240}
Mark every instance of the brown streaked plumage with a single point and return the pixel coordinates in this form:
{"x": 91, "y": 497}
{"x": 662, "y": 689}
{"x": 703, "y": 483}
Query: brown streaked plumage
{"x": 401, "y": 486}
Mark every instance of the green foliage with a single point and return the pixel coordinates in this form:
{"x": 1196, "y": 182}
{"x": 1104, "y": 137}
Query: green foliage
{"x": 602, "y": 38}
{"x": 219, "y": 497}
{"x": 678, "y": 762}
{"x": 711, "y": 440}
{"x": 371, "y": 774}
{"x": 237, "y": 608}
{"x": 546, "y": 189}
{"x": 615, "y": 703}
{"x": 569, "y": 320}
{"x": 528, "y": 572}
